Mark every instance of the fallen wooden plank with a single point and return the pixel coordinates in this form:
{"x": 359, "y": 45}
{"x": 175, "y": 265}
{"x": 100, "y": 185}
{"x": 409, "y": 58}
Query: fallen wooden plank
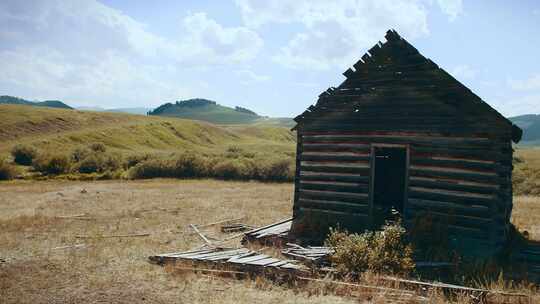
{"x": 206, "y": 240}
{"x": 222, "y": 222}
{"x": 69, "y": 246}
{"x": 111, "y": 236}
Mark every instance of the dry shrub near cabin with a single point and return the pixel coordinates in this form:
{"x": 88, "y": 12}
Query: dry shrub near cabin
{"x": 23, "y": 154}
{"x": 385, "y": 251}
{"x": 7, "y": 171}
{"x": 52, "y": 164}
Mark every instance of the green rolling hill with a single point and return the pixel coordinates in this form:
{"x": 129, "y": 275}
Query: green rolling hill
{"x": 5, "y": 99}
{"x": 530, "y": 124}
{"x": 211, "y": 111}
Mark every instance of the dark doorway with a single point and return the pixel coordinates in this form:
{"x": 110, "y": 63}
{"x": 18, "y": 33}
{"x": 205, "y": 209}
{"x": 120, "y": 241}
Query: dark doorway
{"x": 389, "y": 183}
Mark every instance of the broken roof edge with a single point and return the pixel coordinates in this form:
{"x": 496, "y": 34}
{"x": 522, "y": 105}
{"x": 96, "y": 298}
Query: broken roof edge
{"x": 393, "y": 36}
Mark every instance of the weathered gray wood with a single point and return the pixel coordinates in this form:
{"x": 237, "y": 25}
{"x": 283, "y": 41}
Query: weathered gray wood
{"x": 322, "y": 176}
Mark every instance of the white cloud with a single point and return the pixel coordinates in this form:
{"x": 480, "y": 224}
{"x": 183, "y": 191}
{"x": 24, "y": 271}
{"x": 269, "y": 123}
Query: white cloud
{"x": 87, "y": 51}
{"x": 531, "y": 83}
{"x": 248, "y": 77}
{"x": 463, "y": 72}
{"x": 209, "y": 39}
{"x": 452, "y": 8}
{"x": 336, "y": 32}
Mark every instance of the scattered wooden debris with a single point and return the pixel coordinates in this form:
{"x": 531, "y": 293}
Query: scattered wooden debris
{"x": 235, "y": 259}
{"x": 312, "y": 254}
{"x": 222, "y": 222}
{"x": 274, "y": 233}
{"x": 70, "y": 246}
{"x": 111, "y": 236}
{"x": 82, "y": 216}
{"x": 228, "y": 228}
{"x": 204, "y": 238}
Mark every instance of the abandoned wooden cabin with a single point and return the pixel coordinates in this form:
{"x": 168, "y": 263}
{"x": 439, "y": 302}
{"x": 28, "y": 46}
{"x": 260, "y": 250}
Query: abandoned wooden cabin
{"x": 402, "y": 136}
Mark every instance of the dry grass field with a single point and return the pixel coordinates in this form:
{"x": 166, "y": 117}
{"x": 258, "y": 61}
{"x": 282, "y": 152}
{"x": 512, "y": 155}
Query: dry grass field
{"x": 34, "y": 268}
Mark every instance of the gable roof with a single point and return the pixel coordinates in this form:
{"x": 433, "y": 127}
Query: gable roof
{"x": 396, "y": 61}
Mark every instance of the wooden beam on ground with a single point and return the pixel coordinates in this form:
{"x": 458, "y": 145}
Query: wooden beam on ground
{"x": 205, "y": 239}
{"x": 112, "y": 236}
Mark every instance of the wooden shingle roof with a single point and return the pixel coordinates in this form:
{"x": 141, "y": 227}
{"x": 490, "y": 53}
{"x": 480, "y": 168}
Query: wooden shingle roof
{"x": 395, "y": 66}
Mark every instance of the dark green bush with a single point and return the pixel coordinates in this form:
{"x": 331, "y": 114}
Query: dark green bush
{"x": 7, "y": 171}
{"x": 189, "y": 165}
{"x": 52, "y": 164}
{"x": 99, "y": 162}
{"x": 97, "y": 147}
{"x": 276, "y": 170}
{"x": 23, "y": 154}
{"x": 230, "y": 169}
{"x": 80, "y": 153}
{"x": 135, "y": 159}
{"x": 152, "y": 168}
{"x": 383, "y": 251}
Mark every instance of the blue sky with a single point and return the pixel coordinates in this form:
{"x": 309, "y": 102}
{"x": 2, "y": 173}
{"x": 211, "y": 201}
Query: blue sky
{"x": 272, "y": 56}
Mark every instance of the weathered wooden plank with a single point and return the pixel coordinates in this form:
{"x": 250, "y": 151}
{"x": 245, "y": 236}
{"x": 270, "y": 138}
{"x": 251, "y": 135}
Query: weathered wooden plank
{"x": 454, "y": 219}
{"x": 361, "y": 169}
{"x": 338, "y": 177}
{"x": 452, "y": 196}
{"x": 453, "y": 162}
{"x": 335, "y": 147}
{"x": 342, "y": 196}
{"x": 432, "y": 172}
{"x": 333, "y": 212}
{"x": 333, "y": 205}
{"x": 334, "y": 186}
{"x": 334, "y": 157}
{"x": 450, "y": 207}
{"x": 453, "y": 185}
{"x": 400, "y": 139}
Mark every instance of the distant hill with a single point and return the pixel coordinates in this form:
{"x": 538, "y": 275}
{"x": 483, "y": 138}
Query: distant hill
{"x": 206, "y": 110}
{"x": 62, "y": 130}
{"x": 530, "y": 124}
{"x": 139, "y": 111}
{"x": 5, "y": 99}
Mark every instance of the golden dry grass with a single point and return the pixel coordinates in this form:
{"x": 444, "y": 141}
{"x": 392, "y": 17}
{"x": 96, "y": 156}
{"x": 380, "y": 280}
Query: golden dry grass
{"x": 115, "y": 270}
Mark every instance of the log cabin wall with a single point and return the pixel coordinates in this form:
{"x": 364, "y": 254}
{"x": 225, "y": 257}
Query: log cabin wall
{"x": 459, "y": 151}
{"x": 463, "y": 180}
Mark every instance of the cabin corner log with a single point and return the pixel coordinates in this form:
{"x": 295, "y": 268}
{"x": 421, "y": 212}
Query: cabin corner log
{"x": 458, "y": 151}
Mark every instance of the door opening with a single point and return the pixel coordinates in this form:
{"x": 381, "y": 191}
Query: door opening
{"x": 389, "y": 184}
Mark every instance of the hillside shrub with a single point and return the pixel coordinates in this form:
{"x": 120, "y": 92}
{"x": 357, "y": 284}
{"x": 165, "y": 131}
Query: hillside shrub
{"x": 80, "y": 153}
{"x": 152, "y": 168}
{"x": 99, "y": 162}
{"x": 231, "y": 169}
{"x": 189, "y": 165}
{"x": 97, "y": 147}
{"x": 135, "y": 159}
{"x": 384, "y": 251}
{"x": 276, "y": 170}
{"x": 23, "y": 154}
{"x": 7, "y": 171}
{"x": 52, "y": 164}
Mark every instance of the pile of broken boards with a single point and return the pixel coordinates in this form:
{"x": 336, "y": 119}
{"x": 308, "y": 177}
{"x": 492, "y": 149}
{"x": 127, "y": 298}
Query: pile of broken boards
{"x": 295, "y": 263}
{"x": 294, "y": 260}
